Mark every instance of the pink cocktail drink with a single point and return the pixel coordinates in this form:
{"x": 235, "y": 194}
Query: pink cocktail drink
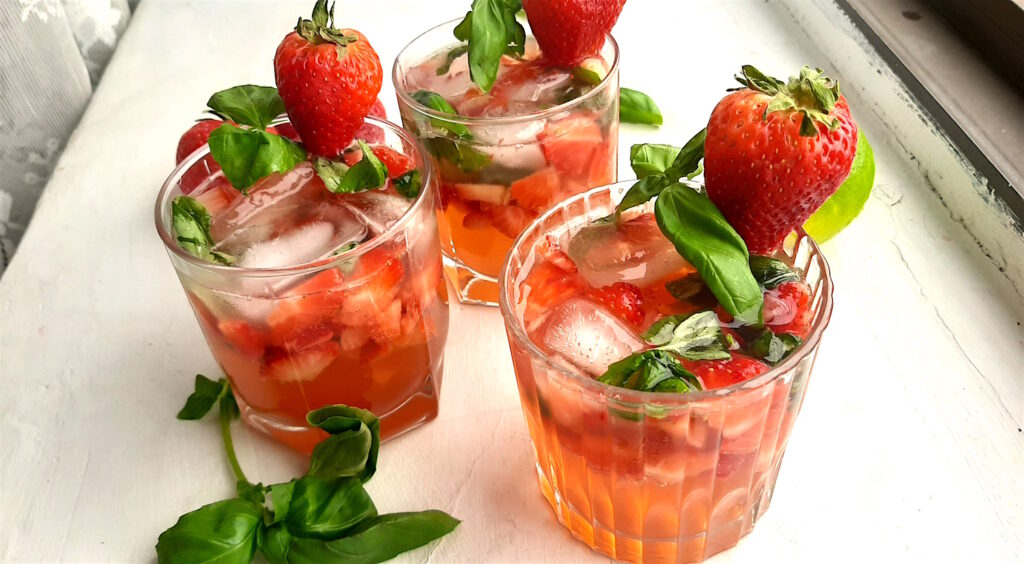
{"x": 541, "y": 134}
{"x": 329, "y": 298}
{"x": 683, "y": 472}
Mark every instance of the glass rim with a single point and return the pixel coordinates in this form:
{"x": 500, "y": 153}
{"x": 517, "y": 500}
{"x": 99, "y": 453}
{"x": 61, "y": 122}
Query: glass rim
{"x": 162, "y": 201}
{"x": 408, "y": 100}
{"x": 518, "y": 332}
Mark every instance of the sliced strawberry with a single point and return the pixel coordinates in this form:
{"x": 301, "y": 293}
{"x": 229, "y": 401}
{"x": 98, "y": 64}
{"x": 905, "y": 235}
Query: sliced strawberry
{"x": 310, "y": 305}
{"x": 241, "y": 335}
{"x": 721, "y": 373}
{"x": 218, "y": 197}
{"x": 353, "y": 337}
{"x": 546, "y": 286}
{"x": 537, "y": 191}
{"x": 625, "y": 300}
{"x": 787, "y": 308}
{"x": 476, "y": 220}
{"x": 602, "y": 167}
{"x": 374, "y": 283}
{"x": 509, "y": 220}
{"x": 300, "y": 366}
{"x": 490, "y": 193}
{"x": 388, "y": 324}
{"x": 550, "y": 251}
{"x": 569, "y": 144}
{"x": 396, "y": 163}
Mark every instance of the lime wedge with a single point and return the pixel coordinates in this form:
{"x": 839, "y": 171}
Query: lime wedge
{"x": 842, "y": 207}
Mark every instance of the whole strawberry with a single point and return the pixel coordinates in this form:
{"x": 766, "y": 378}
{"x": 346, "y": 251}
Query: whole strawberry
{"x": 569, "y": 31}
{"x": 191, "y": 140}
{"x": 328, "y": 79}
{"x": 776, "y": 151}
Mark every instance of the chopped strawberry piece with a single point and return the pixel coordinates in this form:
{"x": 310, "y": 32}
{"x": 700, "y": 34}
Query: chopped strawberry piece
{"x": 241, "y": 335}
{"x": 310, "y": 305}
{"x": 218, "y": 197}
{"x": 373, "y": 285}
{"x": 602, "y": 167}
{"x": 546, "y": 286}
{"x": 353, "y": 337}
{"x": 550, "y": 251}
{"x": 509, "y": 220}
{"x": 476, "y": 220}
{"x": 537, "y": 191}
{"x": 787, "y": 308}
{"x": 396, "y": 163}
{"x": 489, "y": 193}
{"x": 300, "y": 366}
{"x": 388, "y": 323}
{"x": 721, "y": 373}
{"x": 569, "y": 144}
{"x": 624, "y": 300}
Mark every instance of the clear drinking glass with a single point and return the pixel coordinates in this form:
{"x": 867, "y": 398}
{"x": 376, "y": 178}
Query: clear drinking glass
{"x": 497, "y": 169}
{"x": 656, "y": 477}
{"x": 365, "y": 327}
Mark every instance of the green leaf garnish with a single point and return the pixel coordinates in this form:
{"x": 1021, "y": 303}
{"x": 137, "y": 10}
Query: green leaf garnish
{"x": 770, "y": 272}
{"x": 376, "y": 540}
{"x": 255, "y": 106}
{"x": 637, "y": 107}
{"x": 706, "y": 240}
{"x": 206, "y": 393}
{"x": 450, "y": 58}
{"x": 812, "y": 94}
{"x": 247, "y": 155}
{"x": 461, "y": 155}
{"x": 650, "y": 371}
{"x": 437, "y": 102}
{"x": 367, "y": 174}
{"x": 409, "y": 184}
{"x": 352, "y": 448}
{"x": 685, "y": 288}
{"x": 191, "y": 224}
{"x": 327, "y": 508}
{"x": 773, "y": 348}
{"x": 224, "y": 531}
{"x": 649, "y": 159}
{"x": 656, "y": 172}
{"x": 492, "y": 30}
{"x": 696, "y": 336}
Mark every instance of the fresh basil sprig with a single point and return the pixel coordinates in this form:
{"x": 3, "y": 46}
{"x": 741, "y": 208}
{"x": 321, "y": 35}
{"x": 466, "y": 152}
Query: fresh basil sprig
{"x": 247, "y": 155}
{"x": 492, "y": 30}
{"x": 191, "y": 224}
{"x": 639, "y": 108}
{"x": 696, "y": 336}
{"x": 409, "y": 184}
{"x": 771, "y": 272}
{"x": 773, "y": 347}
{"x": 323, "y": 516}
{"x": 255, "y": 106}
{"x": 702, "y": 235}
{"x": 659, "y": 166}
{"x": 436, "y": 102}
{"x": 650, "y": 371}
{"x": 338, "y": 177}
{"x": 461, "y": 155}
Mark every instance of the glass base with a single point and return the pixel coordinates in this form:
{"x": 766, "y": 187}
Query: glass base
{"x": 419, "y": 409}
{"x": 627, "y": 547}
{"x": 471, "y": 287}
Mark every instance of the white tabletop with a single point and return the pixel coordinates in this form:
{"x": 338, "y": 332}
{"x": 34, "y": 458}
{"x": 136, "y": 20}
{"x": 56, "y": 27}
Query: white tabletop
{"x": 909, "y": 447}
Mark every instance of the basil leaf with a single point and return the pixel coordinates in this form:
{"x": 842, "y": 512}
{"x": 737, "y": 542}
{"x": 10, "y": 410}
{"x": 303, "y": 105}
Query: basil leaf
{"x": 274, "y": 544}
{"x": 637, "y": 107}
{"x": 353, "y": 446}
{"x": 461, "y": 155}
{"x": 648, "y": 159}
{"x": 255, "y": 106}
{"x": 706, "y": 240}
{"x": 685, "y": 288}
{"x": 450, "y": 58}
{"x": 281, "y": 496}
{"x": 687, "y": 162}
{"x": 255, "y": 493}
{"x": 191, "y": 224}
{"x": 773, "y": 348}
{"x": 770, "y": 272}
{"x": 222, "y": 532}
{"x": 437, "y": 102}
{"x": 492, "y": 30}
{"x": 247, "y": 155}
{"x": 644, "y": 371}
{"x": 367, "y": 174}
{"x": 327, "y": 509}
{"x": 647, "y": 188}
{"x": 201, "y": 401}
{"x": 377, "y": 540}
{"x": 409, "y": 184}
{"x": 695, "y": 336}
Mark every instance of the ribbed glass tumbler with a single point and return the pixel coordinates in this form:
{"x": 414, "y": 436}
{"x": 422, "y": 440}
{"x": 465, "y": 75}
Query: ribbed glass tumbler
{"x": 655, "y": 477}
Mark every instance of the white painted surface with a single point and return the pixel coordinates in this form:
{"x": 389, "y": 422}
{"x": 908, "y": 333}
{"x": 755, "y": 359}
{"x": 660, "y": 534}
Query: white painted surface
{"x": 909, "y": 447}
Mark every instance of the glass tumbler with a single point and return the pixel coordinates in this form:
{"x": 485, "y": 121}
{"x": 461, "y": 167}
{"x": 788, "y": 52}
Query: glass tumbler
{"x": 655, "y": 477}
{"x": 498, "y": 168}
{"x": 365, "y": 327}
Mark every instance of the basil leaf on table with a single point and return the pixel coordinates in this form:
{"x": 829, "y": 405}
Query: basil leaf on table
{"x": 409, "y": 184}
{"x": 637, "y": 107}
{"x": 367, "y": 174}
{"x": 274, "y": 543}
{"x": 437, "y": 102}
{"x": 705, "y": 239}
{"x": 770, "y": 273}
{"x": 492, "y": 30}
{"x": 352, "y": 448}
{"x": 247, "y": 155}
{"x": 191, "y": 224}
{"x": 379, "y": 539}
{"x": 281, "y": 497}
{"x": 327, "y": 509}
{"x": 223, "y": 532}
{"x": 255, "y": 106}
{"x": 199, "y": 403}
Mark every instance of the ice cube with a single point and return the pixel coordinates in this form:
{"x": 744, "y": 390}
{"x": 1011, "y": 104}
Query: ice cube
{"x": 634, "y": 251}
{"x": 375, "y": 209}
{"x": 451, "y": 85}
{"x": 275, "y": 200}
{"x": 297, "y": 246}
{"x": 587, "y": 336}
{"x": 527, "y": 156}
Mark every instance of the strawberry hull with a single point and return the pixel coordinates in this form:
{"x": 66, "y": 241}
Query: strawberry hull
{"x": 539, "y": 136}
{"x": 644, "y": 476}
